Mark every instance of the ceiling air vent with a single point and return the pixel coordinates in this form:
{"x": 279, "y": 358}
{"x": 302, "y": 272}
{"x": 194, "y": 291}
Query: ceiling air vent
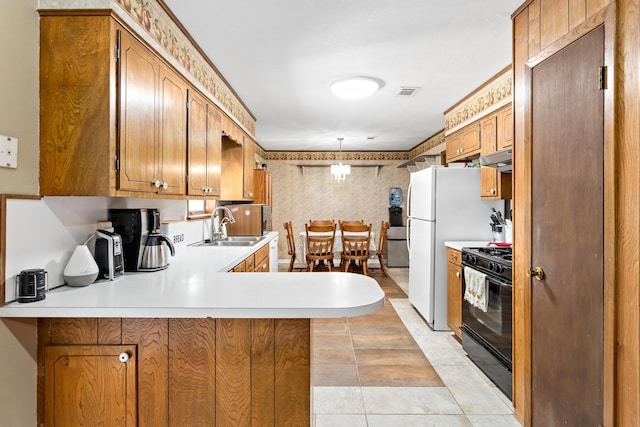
{"x": 406, "y": 91}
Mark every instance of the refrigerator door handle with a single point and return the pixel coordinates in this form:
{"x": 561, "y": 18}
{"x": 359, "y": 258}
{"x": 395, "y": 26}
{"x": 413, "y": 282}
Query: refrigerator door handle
{"x": 409, "y": 200}
{"x": 408, "y": 239}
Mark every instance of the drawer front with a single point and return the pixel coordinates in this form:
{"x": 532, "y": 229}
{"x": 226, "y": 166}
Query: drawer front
{"x": 454, "y": 256}
{"x": 262, "y": 253}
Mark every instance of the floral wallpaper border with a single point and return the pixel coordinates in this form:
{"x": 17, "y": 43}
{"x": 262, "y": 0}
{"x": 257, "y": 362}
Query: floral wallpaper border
{"x": 427, "y": 145}
{"x": 335, "y": 155}
{"x": 497, "y": 91}
{"x": 154, "y": 21}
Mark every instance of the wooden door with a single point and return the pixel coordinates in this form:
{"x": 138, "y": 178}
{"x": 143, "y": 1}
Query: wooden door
{"x": 567, "y": 337}
{"x": 138, "y": 83}
{"x": 172, "y": 132}
{"x": 488, "y": 144}
{"x": 90, "y": 385}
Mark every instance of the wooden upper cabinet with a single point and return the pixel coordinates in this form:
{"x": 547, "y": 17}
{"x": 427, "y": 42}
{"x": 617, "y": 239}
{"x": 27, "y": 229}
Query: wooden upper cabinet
{"x": 464, "y": 143}
{"x": 262, "y": 187}
{"x": 493, "y": 184}
{"x": 117, "y": 124}
{"x": 488, "y": 174}
{"x": 249, "y": 150}
{"x": 505, "y": 128}
{"x": 204, "y": 147}
{"x": 237, "y": 163}
{"x": 90, "y": 385}
{"x": 153, "y": 122}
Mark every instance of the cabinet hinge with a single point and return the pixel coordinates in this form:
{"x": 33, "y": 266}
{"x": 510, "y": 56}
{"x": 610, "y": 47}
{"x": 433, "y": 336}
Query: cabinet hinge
{"x": 186, "y": 177}
{"x": 117, "y": 163}
{"x": 602, "y": 78}
{"x": 117, "y": 51}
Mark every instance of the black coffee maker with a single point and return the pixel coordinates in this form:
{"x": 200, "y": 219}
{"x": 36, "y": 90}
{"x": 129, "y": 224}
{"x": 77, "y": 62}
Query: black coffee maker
{"x": 139, "y": 229}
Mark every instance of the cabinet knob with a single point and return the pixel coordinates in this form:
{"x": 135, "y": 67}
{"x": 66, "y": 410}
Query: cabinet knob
{"x": 155, "y": 183}
{"x": 458, "y": 274}
{"x": 250, "y": 194}
{"x": 165, "y": 185}
{"x": 123, "y": 357}
{"x": 492, "y": 191}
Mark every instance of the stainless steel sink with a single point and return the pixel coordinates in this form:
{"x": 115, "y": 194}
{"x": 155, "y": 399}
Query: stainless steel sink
{"x": 232, "y": 241}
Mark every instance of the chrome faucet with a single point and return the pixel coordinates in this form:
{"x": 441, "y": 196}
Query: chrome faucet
{"x": 218, "y": 229}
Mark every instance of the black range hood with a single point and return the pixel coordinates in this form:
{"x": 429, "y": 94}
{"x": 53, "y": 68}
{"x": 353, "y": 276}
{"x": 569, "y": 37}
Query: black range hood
{"x": 501, "y": 159}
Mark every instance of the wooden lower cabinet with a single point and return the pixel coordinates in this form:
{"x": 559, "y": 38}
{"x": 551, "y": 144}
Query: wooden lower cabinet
{"x": 93, "y": 385}
{"x": 454, "y": 291}
{"x": 177, "y": 372}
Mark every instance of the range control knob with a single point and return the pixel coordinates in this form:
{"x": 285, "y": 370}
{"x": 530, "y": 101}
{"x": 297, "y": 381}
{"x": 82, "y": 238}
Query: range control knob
{"x": 494, "y": 266}
{"x": 470, "y": 259}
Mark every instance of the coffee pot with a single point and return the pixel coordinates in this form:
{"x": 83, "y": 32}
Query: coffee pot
{"x": 153, "y": 257}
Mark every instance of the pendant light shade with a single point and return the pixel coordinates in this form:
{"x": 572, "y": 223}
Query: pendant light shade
{"x": 340, "y": 171}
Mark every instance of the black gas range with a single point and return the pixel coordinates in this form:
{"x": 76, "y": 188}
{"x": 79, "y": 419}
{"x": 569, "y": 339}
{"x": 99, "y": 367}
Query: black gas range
{"x": 493, "y": 260}
{"x": 487, "y": 328}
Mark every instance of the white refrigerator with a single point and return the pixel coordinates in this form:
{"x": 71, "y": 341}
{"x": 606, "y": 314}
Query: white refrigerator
{"x": 443, "y": 205}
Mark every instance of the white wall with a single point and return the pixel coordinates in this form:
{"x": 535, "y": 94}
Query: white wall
{"x": 19, "y": 40}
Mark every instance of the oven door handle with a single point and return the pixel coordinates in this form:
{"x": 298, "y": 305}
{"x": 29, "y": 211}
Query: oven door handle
{"x": 492, "y": 280}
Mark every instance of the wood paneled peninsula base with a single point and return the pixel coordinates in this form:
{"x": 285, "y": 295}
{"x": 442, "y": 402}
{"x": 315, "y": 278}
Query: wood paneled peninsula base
{"x": 174, "y": 372}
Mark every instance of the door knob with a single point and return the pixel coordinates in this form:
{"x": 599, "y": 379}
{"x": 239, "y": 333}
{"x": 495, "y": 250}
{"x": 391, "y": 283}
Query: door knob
{"x": 536, "y": 272}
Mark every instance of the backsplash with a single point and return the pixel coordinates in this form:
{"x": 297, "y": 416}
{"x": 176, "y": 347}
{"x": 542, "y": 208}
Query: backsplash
{"x": 43, "y": 233}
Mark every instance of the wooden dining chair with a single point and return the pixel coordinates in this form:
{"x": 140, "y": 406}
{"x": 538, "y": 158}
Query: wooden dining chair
{"x": 291, "y": 244}
{"x": 355, "y": 246}
{"x": 320, "y": 246}
{"x": 381, "y": 250}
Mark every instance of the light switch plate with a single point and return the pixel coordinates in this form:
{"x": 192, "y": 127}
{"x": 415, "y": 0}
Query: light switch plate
{"x": 8, "y": 152}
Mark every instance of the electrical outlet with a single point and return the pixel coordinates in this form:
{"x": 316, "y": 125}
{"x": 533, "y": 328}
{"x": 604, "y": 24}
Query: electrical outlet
{"x": 8, "y": 152}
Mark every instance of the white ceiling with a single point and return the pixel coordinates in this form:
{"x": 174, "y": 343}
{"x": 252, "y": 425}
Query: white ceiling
{"x": 281, "y": 55}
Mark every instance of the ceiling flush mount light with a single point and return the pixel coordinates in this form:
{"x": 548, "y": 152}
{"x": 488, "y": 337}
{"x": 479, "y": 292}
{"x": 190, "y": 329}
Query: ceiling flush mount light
{"x": 340, "y": 171}
{"x": 355, "y": 87}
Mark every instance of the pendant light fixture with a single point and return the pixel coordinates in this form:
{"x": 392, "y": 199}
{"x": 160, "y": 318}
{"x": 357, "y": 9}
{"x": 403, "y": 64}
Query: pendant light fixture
{"x": 340, "y": 171}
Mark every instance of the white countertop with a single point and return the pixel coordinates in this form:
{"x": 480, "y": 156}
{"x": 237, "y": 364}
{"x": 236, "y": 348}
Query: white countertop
{"x": 194, "y": 287}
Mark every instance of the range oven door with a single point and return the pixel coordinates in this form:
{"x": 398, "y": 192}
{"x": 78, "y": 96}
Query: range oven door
{"x": 494, "y": 325}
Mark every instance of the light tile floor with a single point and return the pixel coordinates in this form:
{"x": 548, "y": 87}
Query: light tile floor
{"x": 467, "y": 399}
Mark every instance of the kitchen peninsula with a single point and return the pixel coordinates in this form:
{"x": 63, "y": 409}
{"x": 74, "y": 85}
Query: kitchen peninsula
{"x": 187, "y": 345}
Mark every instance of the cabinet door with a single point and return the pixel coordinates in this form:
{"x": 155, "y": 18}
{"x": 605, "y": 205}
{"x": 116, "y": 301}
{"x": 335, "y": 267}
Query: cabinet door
{"x": 262, "y": 187}
{"x": 505, "y": 127}
{"x": 471, "y": 139}
{"x": 138, "y": 143}
{"x": 262, "y": 265}
{"x": 197, "y": 145}
{"x": 214, "y": 142}
{"x": 488, "y": 174}
{"x": 454, "y": 146}
{"x": 172, "y": 132}
{"x": 248, "y": 150}
{"x": 90, "y": 385}
{"x": 454, "y": 298}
